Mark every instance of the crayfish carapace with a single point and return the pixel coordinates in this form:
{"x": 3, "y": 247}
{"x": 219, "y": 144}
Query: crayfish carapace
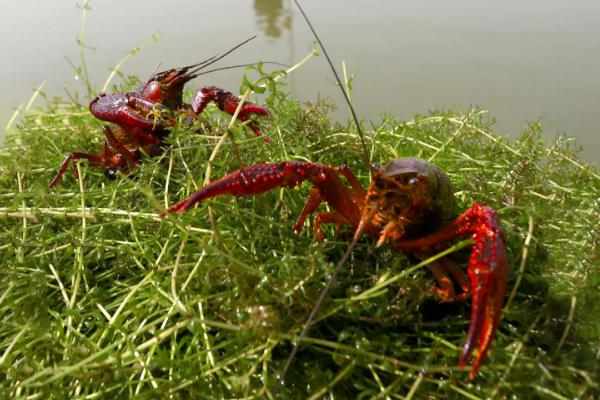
{"x": 409, "y": 203}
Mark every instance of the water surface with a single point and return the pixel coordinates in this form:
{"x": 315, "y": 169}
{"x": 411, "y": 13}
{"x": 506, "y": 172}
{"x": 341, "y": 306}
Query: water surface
{"x": 524, "y": 61}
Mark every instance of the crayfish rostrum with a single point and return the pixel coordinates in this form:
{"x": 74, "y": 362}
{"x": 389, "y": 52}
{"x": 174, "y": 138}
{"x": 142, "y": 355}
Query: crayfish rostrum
{"x": 141, "y": 118}
{"x": 408, "y": 203}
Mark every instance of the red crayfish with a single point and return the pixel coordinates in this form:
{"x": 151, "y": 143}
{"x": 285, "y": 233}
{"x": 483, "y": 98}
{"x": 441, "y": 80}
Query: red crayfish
{"x": 141, "y": 118}
{"x": 409, "y": 202}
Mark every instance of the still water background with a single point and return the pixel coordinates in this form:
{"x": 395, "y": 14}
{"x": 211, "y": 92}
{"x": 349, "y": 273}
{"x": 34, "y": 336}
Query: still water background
{"x": 524, "y": 61}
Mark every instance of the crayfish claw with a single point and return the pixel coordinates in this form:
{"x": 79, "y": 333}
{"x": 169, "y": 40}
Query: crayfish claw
{"x": 251, "y": 108}
{"x": 488, "y": 272}
{"x": 253, "y": 179}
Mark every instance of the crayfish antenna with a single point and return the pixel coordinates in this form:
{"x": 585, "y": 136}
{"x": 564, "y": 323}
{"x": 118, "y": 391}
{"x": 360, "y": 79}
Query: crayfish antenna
{"x": 190, "y": 71}
{"x": 216, "y": 58}
{"x": 240, "y": 66}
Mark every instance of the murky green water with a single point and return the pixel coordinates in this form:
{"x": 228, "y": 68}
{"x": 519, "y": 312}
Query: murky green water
{"x": 522, "y": 60}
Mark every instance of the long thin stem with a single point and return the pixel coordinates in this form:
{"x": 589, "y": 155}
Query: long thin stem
{"x": 81, "y": 43}
{"x": 127, "y": 56}
{"x": 342, "y": 86}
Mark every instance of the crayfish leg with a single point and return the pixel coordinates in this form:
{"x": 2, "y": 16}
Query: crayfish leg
{"x": 446, "y": 286}
{"x": 119, "y": 148}
{"x": 442, "y": 269}
{"x": 459, "y": 277}
{"x": 347, "y": 212}
{"x": 358, "y": 191}
{"x": 94, "y": 160}
{"x": 327, "y": 218}
{"x": 313, "y": 201}
{"x": 445, "y": 266}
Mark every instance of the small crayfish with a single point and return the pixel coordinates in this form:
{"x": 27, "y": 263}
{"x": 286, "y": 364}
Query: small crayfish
{"x": 141, "y": 118}
{"x": 409, "y": 203}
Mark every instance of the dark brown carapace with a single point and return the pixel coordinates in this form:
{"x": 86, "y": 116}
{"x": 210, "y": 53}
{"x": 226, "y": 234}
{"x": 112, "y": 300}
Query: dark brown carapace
{"x": 405, "y": 193}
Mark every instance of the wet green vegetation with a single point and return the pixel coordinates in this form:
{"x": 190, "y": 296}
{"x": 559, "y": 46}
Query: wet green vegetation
{"x": 100, "y": 298}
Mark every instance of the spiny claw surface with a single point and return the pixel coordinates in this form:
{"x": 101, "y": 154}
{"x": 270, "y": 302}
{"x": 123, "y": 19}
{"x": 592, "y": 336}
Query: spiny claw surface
{"x": 488, "y": 271}
{"x": 254, "y": 179}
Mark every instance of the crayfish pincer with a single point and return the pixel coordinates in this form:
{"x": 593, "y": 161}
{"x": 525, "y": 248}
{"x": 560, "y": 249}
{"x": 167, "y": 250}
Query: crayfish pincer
{"x": 141, "y": 118}
{"x": 409, "y": 203}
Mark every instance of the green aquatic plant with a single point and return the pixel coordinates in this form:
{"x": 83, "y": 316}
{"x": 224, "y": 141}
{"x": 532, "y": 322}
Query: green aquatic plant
{"x": 99, "y": 297}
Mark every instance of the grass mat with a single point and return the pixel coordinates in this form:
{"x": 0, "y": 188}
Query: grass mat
{"x": 99, "y": 298}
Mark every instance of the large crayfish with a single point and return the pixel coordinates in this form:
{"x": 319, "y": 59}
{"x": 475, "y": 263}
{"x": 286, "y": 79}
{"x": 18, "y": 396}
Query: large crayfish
{"x": 141, "y": 118}
{"x": 410, "y": 203}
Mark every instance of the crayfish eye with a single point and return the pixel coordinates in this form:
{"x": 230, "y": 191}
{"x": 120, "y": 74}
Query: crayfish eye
{"x": 413, "y": 182}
